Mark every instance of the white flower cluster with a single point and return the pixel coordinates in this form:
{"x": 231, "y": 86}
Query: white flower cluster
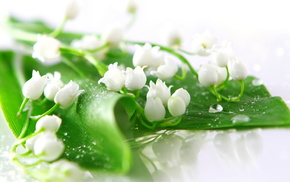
{"x": 159, "y": 96}
{"x": 215, "y": 73}
{"x": 45, "y": 144}
{"x": 151, "y": 58}
{"x": 53, "y": 89}
{"x": 117, "y": 77}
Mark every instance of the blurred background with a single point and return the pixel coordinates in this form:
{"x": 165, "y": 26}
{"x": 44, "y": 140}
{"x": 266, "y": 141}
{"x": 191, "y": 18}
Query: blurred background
{"x": 259, "y": 32}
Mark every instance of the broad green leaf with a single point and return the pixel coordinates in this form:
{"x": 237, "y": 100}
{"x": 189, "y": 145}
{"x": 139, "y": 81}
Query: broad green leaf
{"x": 90, "y": 130}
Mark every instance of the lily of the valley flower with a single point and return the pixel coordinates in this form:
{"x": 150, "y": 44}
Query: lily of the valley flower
{"x": 114, "y": 78}
{"x": 67, "y": 95}
{"x": 207, "y": 75}
{"x": 90, "y": 42}
{"x": 154, "y": 109}
{"x": 34, "y": 87}
{"x": 221, "y": 71}
{"x": 66, "y": 171}
{"x": 172, "y": 38}
{"x": 203, "y": 44}
{"x": 48, "y": 123}
{"x": 148, "y": 56}
{"x": 130, "y": 6}
{"x": 176, "y": 106}
{"x": 48, "y": 147}
{"x": 222, "y": 55}
{"x": 70, "y": 9}
{"x": 54, "y": 85}
{"x": 46, "y": 49}
{"x": 167, "y": 70}
{"x": 182, "y": 93}
{"x": 113, "y": 36}
{"x": 237, "y": 69}
{"x": 135, "y": 79}
{"x": 159, "y": 90}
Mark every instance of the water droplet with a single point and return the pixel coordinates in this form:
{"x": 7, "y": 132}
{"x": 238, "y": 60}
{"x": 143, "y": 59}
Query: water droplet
{"x": 215, "y": 108}
{"x": 241, "y": 109}
{"x": 257, "y": 82}
{"x": 239, "y": 119}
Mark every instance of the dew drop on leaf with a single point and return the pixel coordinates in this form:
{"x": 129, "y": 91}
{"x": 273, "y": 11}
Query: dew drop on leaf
{"x": 257, "y": 82}
{"x": 239, "y": 119}
{"x": 215, "y": 108}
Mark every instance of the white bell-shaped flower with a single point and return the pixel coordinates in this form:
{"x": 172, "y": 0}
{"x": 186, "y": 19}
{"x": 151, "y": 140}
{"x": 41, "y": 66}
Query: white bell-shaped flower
{"x": 222, "y": 55}
{"x": 172, "y": 38}
{"x": 203, "y": 43}
{"x": 130, "y": 6}
{"x": 182, "y": 93}
{"x": 154, "y": 109}
{"x": 113, "y": 35}
{"x": 167, "y": 70}
{"x": 46, "y": 49}
{"x": 207, "y": 75}
{"x": 66, "y": 171}
{"x": 176, "y": 106}
{"x": 48, "y": 123}
{"x": 54, "y": 85}
{"x": 70, "y": 9}
{"x": 29, "y": 144}
{"x": 34, "y": 87}
{"x": 48, "y": 147}
{"x": 148, "y": 56}
{"x": 135, "y": 79}
{"x": 114, "y": 78}
{"x": 90, "y": 42}
{"x": 222, "y": 73}
{"x": 237, "y": 69}
{"x": 159, "y": 90}
{"x": 67, "y": 95}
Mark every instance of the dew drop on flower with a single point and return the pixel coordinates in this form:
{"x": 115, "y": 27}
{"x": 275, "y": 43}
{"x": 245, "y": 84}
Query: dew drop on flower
{"x": 215, "y": 108}
{"x": 257, "y": 82}
{"x": 239, "y": 119}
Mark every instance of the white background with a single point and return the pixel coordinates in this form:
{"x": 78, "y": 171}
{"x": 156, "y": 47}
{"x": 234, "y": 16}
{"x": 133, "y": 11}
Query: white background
{"x": 259, "y": 31}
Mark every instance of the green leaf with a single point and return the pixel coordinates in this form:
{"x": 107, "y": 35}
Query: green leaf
{"x": 89, "y": 129}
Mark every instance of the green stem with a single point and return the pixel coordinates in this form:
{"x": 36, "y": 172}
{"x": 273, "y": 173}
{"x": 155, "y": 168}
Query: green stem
{"x": 215, "y": 92}
{"x": 183, "y": 74}
{"x": 149, "y": 160}
{"x": 171, "y": 51}
{"x": 242, "y": 83}
{"x": 224, "y": 84}
{"x": 35, "y": 118}
{"x": 22, "y": 106}
{"x": 26, "y": 125}
{"x": 132, "y": 20}
{"x": 186, "y": 52}
{"x": 59, "y": 29}
{"x": 100, "y": 66}
{"x": 99, "y": 48}
{"x": 73, "y": 66}
{"x": 72, "y": 51}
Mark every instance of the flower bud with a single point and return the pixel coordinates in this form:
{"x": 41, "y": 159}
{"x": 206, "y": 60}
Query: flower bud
{"x": 148, "y": 56}
{"x": 172, "y": 38}
{"x": 130, "y": 6}
{"x": 46, "y": 49}
{"x": 207, "y": 75}
{"x": 67, "y": 95}
{"x": 48, "y": 147}
{"x": 237, "y": 69}
{"x": 34, "y": 87}
{"x": 222, "y": 55}
{"x": 182, "y": 93}
{"x": 167, "y": 70}
{"x": 29, "y": 144}
{"x": 221, "y": 71}
{"x": 114, "y": 78}
{"x": 135, "y": 79}
{"x": 48, "y": 123}
{"x": 54, "y": 85}
{"x": 159, "y": 90}
{"x": 113, "y": 36}
{"x": 176, "y": 106}
{"x": 70, "y": 9}
{"x": 203, "y": 44}
{"x": 154, "y": 109}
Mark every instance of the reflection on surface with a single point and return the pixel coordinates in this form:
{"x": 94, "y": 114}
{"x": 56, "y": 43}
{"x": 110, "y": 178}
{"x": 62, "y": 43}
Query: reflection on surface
{"x": 177, "y": 155}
